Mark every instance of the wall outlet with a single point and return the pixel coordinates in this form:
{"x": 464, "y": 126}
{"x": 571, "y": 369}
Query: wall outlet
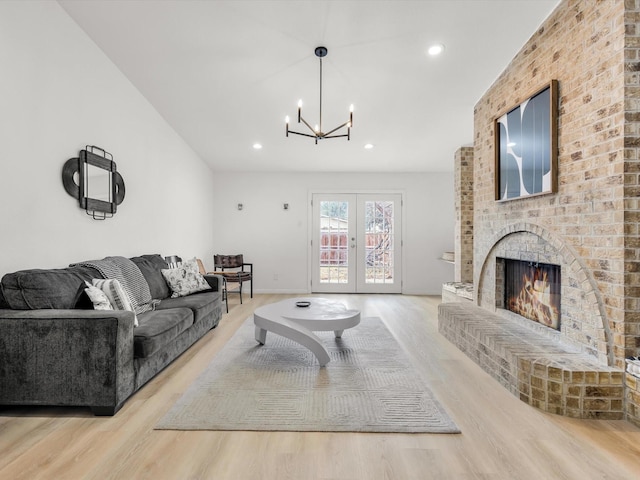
{"x": 275, "y": 276}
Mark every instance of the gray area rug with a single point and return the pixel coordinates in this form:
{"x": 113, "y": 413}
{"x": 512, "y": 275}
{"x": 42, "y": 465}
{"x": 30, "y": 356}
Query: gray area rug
{"x": 369, "y": 386}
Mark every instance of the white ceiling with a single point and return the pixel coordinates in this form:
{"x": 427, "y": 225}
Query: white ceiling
{"x": 224, "y": 74}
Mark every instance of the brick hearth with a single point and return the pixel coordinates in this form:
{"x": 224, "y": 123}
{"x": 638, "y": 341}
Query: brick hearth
{"x": 539, "y": 370}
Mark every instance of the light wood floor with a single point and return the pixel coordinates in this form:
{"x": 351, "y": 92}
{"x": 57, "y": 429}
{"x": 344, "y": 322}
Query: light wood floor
{"x": 502, "y": 438}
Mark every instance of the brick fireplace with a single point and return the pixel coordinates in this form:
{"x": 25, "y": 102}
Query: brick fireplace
{"x": 583, "y": 325}
{"x": 567, "y": 371}
{"x": 590, "y": 227}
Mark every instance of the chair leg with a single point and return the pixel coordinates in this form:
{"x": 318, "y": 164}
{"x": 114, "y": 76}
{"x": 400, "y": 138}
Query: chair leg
{"x": 240, "y": 290}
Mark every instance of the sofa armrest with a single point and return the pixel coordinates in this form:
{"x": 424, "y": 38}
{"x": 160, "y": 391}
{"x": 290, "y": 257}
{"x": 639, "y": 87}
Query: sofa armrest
{"x": 66, "y": 357}
{"x": 215, "y": 281}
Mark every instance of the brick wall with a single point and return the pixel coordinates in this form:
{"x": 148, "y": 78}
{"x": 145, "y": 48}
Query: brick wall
{"x": 591, "y": 223}
{"x": 463, "y": 171}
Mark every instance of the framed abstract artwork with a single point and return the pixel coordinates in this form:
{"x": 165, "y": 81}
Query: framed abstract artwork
{"x": 526, "y": 147}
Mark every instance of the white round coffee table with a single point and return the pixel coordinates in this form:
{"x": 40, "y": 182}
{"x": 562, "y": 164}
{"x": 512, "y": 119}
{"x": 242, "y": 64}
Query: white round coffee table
{"x": 298, "y": 323}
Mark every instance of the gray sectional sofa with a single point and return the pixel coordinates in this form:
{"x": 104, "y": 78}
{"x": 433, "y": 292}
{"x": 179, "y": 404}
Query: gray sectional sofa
{"x": 55, "y": 349}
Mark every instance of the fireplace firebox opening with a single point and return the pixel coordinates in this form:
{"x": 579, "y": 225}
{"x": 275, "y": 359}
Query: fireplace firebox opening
{"x": 532, "y": 290}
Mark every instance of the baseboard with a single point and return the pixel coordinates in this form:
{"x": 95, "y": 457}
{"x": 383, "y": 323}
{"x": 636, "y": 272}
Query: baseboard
{"x": 282, "y": 292}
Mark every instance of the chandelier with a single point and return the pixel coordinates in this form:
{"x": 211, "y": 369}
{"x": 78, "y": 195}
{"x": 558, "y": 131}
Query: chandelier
{"x": 317, "y": 133}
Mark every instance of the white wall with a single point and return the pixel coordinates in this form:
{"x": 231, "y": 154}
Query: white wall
{"x": 276, "y": 240}
{"x": 58, "y": 93}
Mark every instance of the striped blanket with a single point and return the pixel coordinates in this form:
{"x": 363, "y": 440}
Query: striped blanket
{"x": 129, "y": 276}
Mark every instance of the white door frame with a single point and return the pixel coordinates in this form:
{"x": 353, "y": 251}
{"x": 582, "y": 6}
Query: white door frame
{"x": 310, "y": 225}
{"x": 363, "y": 286}
{"x": 351, "y": 243}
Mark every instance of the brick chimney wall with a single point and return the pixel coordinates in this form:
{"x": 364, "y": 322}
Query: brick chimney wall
{"x": 463, "y": 172}
{"x": 591, "y": 224}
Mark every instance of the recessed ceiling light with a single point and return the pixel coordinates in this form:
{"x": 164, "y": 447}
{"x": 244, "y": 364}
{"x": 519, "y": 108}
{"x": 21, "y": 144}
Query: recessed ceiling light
{"x": 368, "y": 146}
{"x": 257, "y": 146}
{"x": 436, "y": 49}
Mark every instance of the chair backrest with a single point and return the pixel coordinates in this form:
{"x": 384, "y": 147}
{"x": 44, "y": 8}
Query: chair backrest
{"x": 201, "y": 267}
{"x": 228, "y": 261}
{"x": 173, "y": 261}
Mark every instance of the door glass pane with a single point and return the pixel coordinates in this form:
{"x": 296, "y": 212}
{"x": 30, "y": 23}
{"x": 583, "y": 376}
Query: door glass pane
{"x": 334, "y": 242}
{"x": 379, "y": 241}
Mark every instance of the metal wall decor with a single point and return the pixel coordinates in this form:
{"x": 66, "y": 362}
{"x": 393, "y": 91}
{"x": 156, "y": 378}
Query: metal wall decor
{"x": 92, "y": 178}
{"x": 317, "y": 133}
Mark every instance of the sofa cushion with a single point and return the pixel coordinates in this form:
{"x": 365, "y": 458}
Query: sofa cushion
{"x": 201, "y": 304}
{"x": 150, "y": 266}
{"x": 3, "y": 302}
{"x": 158, "y": 328}
{"x": 54, "y": 288}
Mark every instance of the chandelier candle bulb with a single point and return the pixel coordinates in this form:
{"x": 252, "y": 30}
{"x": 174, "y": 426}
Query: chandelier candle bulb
{"x": 286, "y": 121}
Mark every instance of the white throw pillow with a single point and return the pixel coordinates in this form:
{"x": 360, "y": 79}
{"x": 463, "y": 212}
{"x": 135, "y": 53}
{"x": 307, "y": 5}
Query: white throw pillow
{"x": 116, "y": 295}
{"x": 185, "y": 279}
{"x": 98, "y": 298}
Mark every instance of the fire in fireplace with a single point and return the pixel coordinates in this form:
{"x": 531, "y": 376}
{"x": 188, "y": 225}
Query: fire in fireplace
{"x": 533, "y": 290}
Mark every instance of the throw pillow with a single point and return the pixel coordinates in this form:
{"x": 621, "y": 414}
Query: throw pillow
{"x": 98, "y": 297}
{"x": 185, "y": 279}
{"x": 116, "y": 295}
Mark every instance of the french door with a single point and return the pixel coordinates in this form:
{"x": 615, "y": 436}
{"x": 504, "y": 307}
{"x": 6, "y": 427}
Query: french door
{"x": 356, "y": 243}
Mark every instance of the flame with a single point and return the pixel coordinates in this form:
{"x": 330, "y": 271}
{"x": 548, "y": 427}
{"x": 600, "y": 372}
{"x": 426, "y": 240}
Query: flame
{"x": 535, "y": 300}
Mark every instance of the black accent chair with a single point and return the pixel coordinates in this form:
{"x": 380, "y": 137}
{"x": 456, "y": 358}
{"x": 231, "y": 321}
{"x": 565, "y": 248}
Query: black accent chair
{"x": 173, "y": 261}
{"x": 233, "y": 269}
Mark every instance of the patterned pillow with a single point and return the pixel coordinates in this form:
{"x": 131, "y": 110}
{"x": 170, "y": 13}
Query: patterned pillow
{"x": 98, "y": 297}
{"x": 185, "y": 279}
{"x": 116, "y": 295}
